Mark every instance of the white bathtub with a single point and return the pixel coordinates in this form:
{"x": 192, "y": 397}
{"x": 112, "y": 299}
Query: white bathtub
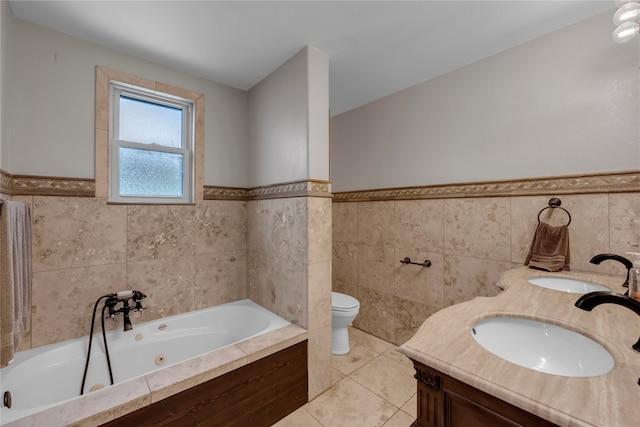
{"x": 47, "y": 376}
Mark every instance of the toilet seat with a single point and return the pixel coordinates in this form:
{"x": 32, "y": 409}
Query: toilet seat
{"x": 342, "y": 302}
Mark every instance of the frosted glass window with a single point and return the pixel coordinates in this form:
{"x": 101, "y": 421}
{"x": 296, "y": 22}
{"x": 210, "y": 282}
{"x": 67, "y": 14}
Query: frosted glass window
{"x": 150, "y": 123}
{"x": 151, "y": 147}
{"x": 150, "y": 173}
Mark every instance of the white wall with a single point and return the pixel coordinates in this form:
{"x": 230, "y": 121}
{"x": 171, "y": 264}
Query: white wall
{"x": 289, "y": 118}
{"x": 566, "y": 103}
{"x": 4, "y": 16}
{"x": 49, "y": 127}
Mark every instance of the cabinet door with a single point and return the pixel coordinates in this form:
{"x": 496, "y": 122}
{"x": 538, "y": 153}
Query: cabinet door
{"x": 444, "y": 401}
{"x": 463, "y": 412}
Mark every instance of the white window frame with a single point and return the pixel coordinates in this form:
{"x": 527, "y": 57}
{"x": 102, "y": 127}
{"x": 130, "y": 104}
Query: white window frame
{"x": 117, "y": 89}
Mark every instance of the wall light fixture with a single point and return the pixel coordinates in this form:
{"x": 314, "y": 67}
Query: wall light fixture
{"x": 627, "y": 20}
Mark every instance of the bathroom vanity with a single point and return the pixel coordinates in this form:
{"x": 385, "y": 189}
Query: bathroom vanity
{"x": 445, "y": 401}
{"x": 460, "y": 383}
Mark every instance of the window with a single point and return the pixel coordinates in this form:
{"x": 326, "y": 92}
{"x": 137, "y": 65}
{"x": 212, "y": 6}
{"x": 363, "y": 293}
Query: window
{"x": 151, "y": 146}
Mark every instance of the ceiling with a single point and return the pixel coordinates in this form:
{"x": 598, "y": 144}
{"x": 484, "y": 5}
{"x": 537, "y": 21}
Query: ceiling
{"x": 376, "y": 47}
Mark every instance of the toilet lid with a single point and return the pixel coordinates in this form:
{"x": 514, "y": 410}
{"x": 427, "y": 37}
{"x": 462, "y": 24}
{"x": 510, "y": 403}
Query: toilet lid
{"x": 343, "y": 302}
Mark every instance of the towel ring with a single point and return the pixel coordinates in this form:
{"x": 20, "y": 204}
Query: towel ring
{"x": 554, "y": 202}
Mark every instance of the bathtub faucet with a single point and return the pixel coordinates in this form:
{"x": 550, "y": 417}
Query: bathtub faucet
{"x": 124, "y": 297}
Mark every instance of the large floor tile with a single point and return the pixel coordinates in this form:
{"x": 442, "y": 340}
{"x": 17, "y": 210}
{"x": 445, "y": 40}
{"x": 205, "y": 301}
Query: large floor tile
{"x": 349, "y": 404}
{"x": 336, "y": 376}
{"x": 411, "y": 407}
{"x": 356, "y": 358}
{"x": 395, "y": 355}
{"x": 376, "y": 344}
{"x": 388, "y": 379}
{"x": 299, "y": 418}
{"x": 400, "y": 419}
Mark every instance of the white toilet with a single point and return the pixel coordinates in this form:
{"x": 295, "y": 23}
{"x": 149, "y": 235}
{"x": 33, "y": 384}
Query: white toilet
{"x": 344, "y": 309}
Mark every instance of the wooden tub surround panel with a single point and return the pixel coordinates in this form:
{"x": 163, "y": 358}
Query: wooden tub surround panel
{"x": 258, "y": 394}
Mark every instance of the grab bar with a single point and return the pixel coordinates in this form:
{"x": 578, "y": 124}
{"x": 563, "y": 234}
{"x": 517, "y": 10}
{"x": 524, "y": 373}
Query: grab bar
{"x": 407, "y": 260}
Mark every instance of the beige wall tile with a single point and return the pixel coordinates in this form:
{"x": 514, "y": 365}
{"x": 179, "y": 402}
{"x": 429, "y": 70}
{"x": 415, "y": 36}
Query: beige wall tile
{"x": 319, "y": 229}
{"x": 279, "y": 285}
{"x": 376, "y": 268}
{"x": 410, "y": 315}
{"x": 624, "y": 226}
{"x": 157, "y": 232}
{"x": 73, "y": 232}
{"x": 345, "y": 222}
{"x": 258, "y": 225}
{"x": 220, "y": 278}
{"x": 466, "y": 278}
{"x": 261, "y": 286}
{"x": 377, "y": 314}
{"x": 423, "y": 285}
{"x": 319, "y": 294}
{"x": 288, "y": 226}
{"x": 319, "y": 361}
{"x": 375, "y": 224}
{"x": 589, "y": 229}
{"x": 344, "y": 268}
{"x": 63, "y": 301}
{"x": 169, "y": 286}
{"x": 478, "y": 228}
{"x": 419, "y": 225}
{"x": 221, "y": 226}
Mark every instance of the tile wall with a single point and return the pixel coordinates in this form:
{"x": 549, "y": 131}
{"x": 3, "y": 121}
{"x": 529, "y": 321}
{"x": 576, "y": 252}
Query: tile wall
{"x": 273, "y": 246}
{"x": 289, "y": 271}
{"x": 470, "y": 242}
{"x": 182, "y": 257}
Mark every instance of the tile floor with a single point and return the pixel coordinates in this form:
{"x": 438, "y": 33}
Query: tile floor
{"x": 373, "y": 386}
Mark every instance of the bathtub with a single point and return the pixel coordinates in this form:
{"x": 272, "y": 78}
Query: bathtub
{"x": 48, "y": 376}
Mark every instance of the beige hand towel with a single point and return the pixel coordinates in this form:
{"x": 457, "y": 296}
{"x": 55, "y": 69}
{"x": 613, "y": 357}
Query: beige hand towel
{"x": 15, "y": 277}
{"x": 550, "y": 248}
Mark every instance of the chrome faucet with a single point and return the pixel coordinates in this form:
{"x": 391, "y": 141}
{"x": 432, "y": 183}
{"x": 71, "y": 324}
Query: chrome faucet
{"x": 627, "y": 263}
{"x": 593, "y": 299}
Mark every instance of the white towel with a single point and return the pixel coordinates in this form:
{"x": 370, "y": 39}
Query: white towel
{"x": 15, "y": 277}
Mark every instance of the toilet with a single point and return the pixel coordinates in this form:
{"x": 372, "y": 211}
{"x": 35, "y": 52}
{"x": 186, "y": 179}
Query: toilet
{"x": 344, "y": 309}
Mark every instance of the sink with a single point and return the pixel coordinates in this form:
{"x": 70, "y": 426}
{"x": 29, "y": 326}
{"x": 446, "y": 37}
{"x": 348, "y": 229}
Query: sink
{"x": 574, "y": 286}
{"x": 542, "y": 347}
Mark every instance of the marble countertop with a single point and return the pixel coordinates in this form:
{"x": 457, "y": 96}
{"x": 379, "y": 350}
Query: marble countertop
{"x": 112, "y": 402}
{"x": 444, "y": 342}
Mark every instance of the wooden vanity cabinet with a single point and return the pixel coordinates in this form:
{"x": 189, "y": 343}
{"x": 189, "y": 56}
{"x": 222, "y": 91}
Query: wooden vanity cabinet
{"x": 446, "y": 402}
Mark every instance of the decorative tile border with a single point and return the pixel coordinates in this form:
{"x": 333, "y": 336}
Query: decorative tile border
{"x": 225, "y": 193}
{"x": 292, "y": 189}
{"x": 577, "y": 184}
{"x": 5, "y": 183}
{"x": 620, "y": 182}
{"x": 25, "y": 185}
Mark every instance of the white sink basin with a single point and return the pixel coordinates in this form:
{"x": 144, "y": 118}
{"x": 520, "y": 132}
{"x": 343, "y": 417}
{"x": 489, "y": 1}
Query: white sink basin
{"x": 564, "y": 284}
{"x": 542, "y": 347}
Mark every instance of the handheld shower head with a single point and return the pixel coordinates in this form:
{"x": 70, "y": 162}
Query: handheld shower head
{"x": 138, "y": 296}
